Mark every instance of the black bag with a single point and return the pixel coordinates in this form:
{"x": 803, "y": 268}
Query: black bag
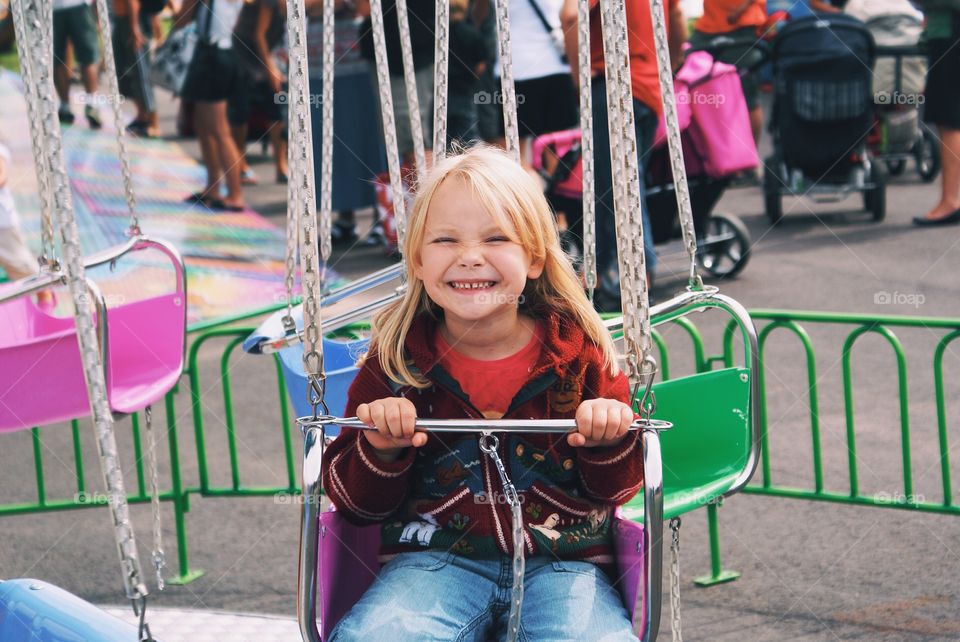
{"x": 151, "y": 7}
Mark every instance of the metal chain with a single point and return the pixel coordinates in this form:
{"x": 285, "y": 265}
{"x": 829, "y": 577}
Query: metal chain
{"x": 675, "y": 580}
{"x": 93, "y": 369}
{"x": 684, "y": 206}
{"x": 31, "y": 93}
{"x": 113, "y": 84}
{"x": 441, "y": 75}
{"x": 508, "y": 91}
{"x": 489, "y": 444}
{"x": 586, "y": 146}
{"x": 410, "y": 85}
{"x": 302, "y": 139}
{"x": 158, "y": 557}
{"x": 626, "y": 188}
{"x": 386, "y": 114}
{"x": 326, "y": 133}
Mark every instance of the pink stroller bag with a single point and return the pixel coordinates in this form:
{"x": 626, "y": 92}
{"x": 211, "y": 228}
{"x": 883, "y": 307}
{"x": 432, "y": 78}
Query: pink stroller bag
{"x": 560, "y": 143}
{"x": 719, "y": 128}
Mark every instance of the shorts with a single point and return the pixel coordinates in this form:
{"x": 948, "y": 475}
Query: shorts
{"x": 254, "y": 97}
{"x": 942, "y": 96}
{"x": 133, "y": 66}
{"x": 214, "y": 75}
{"x": 741, "y": 57}
{"x": 548, "y": 104}
{"x": 77, "y": 25}
{"x": 15, "y": 259}
{"x": 401, "y": 112}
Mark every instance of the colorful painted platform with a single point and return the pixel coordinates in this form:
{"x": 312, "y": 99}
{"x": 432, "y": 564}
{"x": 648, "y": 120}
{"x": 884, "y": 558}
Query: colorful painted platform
{"x": 234, "y": 260}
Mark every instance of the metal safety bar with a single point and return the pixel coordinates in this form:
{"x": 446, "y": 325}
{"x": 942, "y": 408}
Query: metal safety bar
{"x": 649, "y": 593}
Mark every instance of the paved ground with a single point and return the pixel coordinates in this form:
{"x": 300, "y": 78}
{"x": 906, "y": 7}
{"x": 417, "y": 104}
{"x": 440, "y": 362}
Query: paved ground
{"x": 810, "y": 571}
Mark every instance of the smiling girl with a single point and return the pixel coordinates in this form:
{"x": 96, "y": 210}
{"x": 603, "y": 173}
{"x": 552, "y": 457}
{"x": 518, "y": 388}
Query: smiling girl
{"x": 493, "y": 323}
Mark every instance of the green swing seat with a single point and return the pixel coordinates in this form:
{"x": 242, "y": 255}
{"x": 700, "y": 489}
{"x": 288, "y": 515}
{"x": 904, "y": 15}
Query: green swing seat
{"x": 708, "y": 448}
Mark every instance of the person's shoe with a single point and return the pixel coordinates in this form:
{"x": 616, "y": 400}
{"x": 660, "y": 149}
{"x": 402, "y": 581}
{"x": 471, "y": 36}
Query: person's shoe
{"x": 66, "y": 116}
{"x": 248, "y": 177}
{"x": 93, "y": 117}
{"x": 375, "y": 236}
{"x": 949, "y": 219}
{"x": 343, "y": 234}
{"x": 282, "y": 178}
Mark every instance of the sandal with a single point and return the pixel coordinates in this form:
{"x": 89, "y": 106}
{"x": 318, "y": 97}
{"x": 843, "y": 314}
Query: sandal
{"x": 219, "y": 204}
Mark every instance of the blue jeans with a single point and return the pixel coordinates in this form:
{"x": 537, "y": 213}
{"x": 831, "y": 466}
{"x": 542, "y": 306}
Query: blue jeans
{"x": 645, "y": 123}
{"x": 435, "y": 596}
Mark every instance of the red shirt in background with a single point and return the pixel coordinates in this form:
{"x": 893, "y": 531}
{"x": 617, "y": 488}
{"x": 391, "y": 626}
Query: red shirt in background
{"x": 643, "y": 59}
{"x": 491, "y": 384}
{"x": 715, "y": 13}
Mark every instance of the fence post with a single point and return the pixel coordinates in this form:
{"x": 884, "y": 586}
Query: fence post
{"x": 181, "y": 502}
{"x": 717, "y": 574}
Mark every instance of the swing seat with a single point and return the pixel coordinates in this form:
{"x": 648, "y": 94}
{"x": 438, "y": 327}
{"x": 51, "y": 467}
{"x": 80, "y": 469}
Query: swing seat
{"x": 35, "y": 611}
{"x": 708, "y": 448}
{"x": 347, "y": 564}
{"x": 42, "y": 380}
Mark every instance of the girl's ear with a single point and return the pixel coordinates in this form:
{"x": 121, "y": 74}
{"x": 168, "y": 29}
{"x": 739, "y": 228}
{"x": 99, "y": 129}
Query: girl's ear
{"x": 417, "y": 265}
{"x": 536, "y": 269}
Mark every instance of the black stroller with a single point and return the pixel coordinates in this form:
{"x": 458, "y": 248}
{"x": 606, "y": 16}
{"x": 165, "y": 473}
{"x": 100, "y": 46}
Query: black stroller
{"x": 823, "y": 115}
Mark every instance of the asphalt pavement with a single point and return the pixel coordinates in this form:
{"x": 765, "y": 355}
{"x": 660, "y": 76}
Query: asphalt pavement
{"x": 809, "y": 570}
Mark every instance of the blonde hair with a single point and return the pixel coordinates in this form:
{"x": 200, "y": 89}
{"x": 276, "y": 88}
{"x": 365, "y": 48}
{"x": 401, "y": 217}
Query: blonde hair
{"x": 514, "y": 200}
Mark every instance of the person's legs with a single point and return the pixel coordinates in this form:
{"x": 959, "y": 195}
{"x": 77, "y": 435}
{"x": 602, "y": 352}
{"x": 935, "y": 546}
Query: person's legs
{"x": 61, "y": 69}
{"x": 571, "y": 601}
{"x": 603, "y": 190}
{"x": 279, "y": 143}
{"x": 229, "y": 156}
{"x": 427, "y": 596}
{"x": 205, "y": 128}
{"x": 950, "y": 174}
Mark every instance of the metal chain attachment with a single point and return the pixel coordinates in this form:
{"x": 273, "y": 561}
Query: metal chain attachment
{"x": 675, "y": 580}
{"x": 586, "y": 146}
{"x": 441, "y": 76}
{"x": 489, "y": 444}
{"x": 303, "y": 177}
{"x": 387, "y": 116}
{"x": 22, "y": 27}
{"x": 158, "y": 557}
{"x": 113, "y": 84}
{"x": 83, "y": 295}
{"x": 410, "y": 85}
{"x": 626, "y": 189}
{"x": 684, "y": 206}
{"x": 326, "y": 132}
{"x": 508, "y": 91}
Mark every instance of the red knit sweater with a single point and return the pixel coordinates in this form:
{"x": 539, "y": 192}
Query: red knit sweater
{"x": 447, "y": 495}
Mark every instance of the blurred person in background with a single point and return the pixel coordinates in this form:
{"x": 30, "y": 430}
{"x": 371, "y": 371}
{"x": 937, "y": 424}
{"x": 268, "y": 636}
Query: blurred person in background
{"x": 131, "y": 35}
{"x": 74, "y": 22}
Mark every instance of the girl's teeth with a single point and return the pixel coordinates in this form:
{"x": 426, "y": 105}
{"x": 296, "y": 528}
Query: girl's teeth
{"x": 472, "y": 286}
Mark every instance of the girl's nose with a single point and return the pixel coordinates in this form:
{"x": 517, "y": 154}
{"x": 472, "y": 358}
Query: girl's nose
{"x": 471, "y": 255}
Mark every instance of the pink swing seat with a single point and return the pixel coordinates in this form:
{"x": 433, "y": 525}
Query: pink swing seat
{"x": 41, "y": 381}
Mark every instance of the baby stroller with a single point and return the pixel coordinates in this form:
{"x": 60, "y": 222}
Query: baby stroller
{"x": 898, "y": 81}
{"x": 717, "y": 145}
{"x": 822, "y": 115}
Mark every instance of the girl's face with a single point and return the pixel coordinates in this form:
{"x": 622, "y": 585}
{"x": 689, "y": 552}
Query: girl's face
{"x": 468, "y": 264}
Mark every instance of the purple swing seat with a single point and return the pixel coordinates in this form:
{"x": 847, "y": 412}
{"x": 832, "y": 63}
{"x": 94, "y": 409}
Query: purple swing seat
{"x": 347, "y": 564}
{"x": 41, "y": 381}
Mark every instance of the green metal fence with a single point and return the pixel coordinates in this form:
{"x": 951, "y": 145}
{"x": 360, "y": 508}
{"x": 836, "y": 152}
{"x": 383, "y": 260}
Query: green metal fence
{"x": 768, "y": 321}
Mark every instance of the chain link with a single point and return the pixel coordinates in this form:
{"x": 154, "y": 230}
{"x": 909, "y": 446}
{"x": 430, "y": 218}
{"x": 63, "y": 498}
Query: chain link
{"x": 33, "y": 99}
{"x": 489, "y": 444}
{"x": 665, "y": 75}
{"x": 675, "y": 580}
{"x": 326, "y": 133}
{"x": 158, "y": 557}
{"x": 39, "y": 43}
{"x": 626, "y": 190}
{"x": 508, "y": 91}
{"x": 302, "y": 176}
{"x": 441, "y": 75}
{"x": 410, "y": 85}
{"x": 386, "y": 114}
{"x": 113, "y": 84}
{"x": 586, "y": 146}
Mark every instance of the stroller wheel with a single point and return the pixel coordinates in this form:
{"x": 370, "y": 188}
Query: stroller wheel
{"x": 875, "y": 198}
{"x": 927, "y": 155}
{"x": 772, "y": 201}
{"x": 725, "y": 249}
{"x": 896, "y": 167}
